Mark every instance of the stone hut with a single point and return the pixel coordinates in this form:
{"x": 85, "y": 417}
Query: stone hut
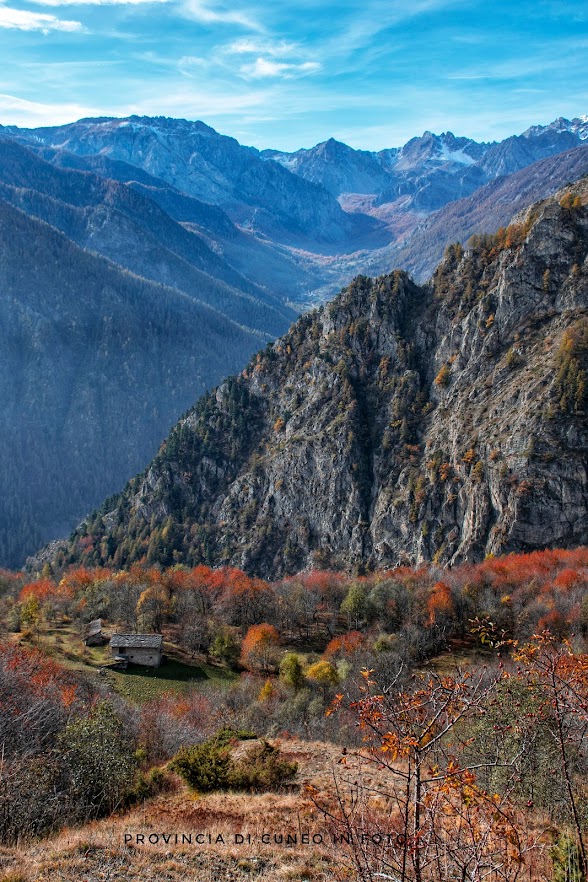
{"x": 137, "y": 649}
{"x": 94, "y": 635}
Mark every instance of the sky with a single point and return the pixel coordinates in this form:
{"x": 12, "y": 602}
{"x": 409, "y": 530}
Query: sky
{"x": 371, "y": 73}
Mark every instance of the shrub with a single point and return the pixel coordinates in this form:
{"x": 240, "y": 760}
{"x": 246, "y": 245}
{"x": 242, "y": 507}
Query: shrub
{"x": 442, "y": 378}
{"x": 147, "y": 785}
{"x": 209, "y": 766}
{"x": 100, "y": 760}
{"x": 262, "y": 769}
{"x": 323, "y": 673}
{"x": 227, "y": 735}
{"x": 204, "y": 767}
{"x": 571, "y": 201}
{"x": 226, "y": 647}
{"x": 291, "y": 671}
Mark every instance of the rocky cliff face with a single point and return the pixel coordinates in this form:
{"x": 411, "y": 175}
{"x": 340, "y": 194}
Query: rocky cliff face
{"x": 398, "y": 423}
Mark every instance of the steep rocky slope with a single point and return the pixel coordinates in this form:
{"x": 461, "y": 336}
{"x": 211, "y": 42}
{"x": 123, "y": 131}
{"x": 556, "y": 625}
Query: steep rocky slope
{"x": 398, "y": 423}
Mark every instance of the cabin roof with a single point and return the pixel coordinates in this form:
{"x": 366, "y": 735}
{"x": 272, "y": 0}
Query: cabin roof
{"x": 94, "y": 628}
{"x": 137, "y": 641}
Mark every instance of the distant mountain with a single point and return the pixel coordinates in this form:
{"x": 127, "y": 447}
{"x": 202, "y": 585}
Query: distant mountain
{"x": 431, "y": 170}
{"x": 195, "y": 159}
{"x": 275, "y": 268}
{"x": 128, "y": 227}
{"x": 335, "y": 166}
{"x": 95, "y": 365}
{"x": 489, "y": 207}
{"x": 577, "y": 126}
{"x": 398, "y": 423}
{"x": 273, "y": 216}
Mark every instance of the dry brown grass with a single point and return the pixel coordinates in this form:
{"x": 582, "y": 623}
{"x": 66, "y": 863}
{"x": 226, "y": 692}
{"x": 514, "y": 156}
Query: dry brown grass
{"x": 98, "y": 851}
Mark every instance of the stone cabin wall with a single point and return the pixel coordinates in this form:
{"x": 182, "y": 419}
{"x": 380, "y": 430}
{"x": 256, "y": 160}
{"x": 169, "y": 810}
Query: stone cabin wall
{"x": 150, "y": 657}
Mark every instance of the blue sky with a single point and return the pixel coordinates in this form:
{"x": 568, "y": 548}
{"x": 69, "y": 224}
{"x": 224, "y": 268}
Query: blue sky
{"x": 372, "y": 73}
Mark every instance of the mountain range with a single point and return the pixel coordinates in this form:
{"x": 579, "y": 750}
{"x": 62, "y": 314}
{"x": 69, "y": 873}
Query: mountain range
{"x": 397, "y": 423}
{"x": 305, "y": 223}
{"x": 144, "y": 259}
{"x": 432, "y": 169}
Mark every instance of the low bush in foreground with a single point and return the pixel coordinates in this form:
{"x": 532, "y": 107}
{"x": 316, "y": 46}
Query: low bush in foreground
{"x": 209, "y": 766}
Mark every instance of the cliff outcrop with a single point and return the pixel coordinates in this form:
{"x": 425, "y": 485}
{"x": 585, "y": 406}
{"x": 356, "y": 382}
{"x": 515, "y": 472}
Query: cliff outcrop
{"x": 398, "y": 423}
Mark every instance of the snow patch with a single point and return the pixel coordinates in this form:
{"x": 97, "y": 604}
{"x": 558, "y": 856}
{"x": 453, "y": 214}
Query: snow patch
{"x": 457, "y": 156}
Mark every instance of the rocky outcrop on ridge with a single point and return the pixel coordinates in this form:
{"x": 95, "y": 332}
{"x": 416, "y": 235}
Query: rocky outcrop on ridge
{"x": 398, "y": 423}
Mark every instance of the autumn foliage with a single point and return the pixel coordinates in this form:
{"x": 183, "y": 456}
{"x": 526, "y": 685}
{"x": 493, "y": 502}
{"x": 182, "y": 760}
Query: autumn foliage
{"x": 258, "y": 650}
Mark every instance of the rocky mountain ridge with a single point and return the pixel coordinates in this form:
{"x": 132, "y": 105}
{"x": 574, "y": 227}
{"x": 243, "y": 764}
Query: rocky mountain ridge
{"x": 272, "y": 244}
{"x": 430, "y": 170}
{"x": 398, "y": 423}
{"x": 194, "y": 158}
{"x": 289, "y": 234}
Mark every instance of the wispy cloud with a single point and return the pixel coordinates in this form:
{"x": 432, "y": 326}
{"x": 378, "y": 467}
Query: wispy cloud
{"x": 379, "y": 16}
{"x": 553, "y": 57}
{"x": 205, "y": 13}
{"x": 271, "y": 58}
{"x": 35, "y": 113}
{"x": 94, "y": 2}
{"x": 24, "y": 20}
{"x": 257, "y": 46}
{"x": 188, "y": 63}
{"x": 265, "y": 67}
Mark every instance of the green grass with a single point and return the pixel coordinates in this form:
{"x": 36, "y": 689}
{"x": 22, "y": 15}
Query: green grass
{"x": 462, "y": 654}
{"x": 140, "y": 684}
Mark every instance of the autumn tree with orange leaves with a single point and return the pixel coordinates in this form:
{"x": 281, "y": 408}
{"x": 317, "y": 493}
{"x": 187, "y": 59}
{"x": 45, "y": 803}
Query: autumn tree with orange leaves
{"x": 259, "y": 647}
{"x": 439, "y": 824}
{"x": 559, "y": 679}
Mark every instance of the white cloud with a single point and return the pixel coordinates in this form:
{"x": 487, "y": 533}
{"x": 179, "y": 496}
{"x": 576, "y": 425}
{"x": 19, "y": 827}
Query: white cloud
{"x": 264, "y": 67}
{"x": 255, "y": 46}
{"x": 202, "y": 12}
{"x": 24, "y": 20}
{"x": 191, "y": 65}
{"x": 21, "y": 112}
{"x": 188, "y": 61}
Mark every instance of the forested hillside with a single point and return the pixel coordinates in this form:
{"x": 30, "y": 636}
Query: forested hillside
{"x": 96, "y": 364}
